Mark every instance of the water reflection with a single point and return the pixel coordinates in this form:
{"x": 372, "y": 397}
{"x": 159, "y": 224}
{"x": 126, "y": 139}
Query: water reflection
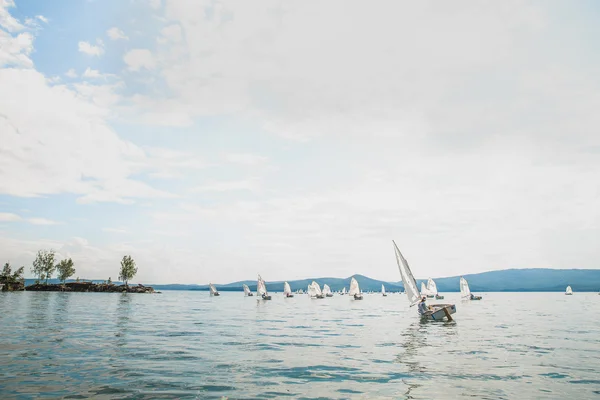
{"x": 123, "y": 314}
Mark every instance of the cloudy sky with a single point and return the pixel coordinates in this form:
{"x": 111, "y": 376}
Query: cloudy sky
{"x": 214, "y": 140}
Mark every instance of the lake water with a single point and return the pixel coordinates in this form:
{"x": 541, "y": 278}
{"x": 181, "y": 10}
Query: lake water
{"x": 187, "y": 345}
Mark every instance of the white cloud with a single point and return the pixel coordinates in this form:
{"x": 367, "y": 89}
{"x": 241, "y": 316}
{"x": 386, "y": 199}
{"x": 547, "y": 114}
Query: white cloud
{"x": 42, "y": 221}
{"x": 71, "y": 73}
{"x": 90, "y": 49}
{"x": 7, "y": 21}
{"x": 245, "y": 159}
{"x": 95, "y": 74}
{"x": 9, "y": 217}
{"x": 251, "y": 184}
{"x": 138, "y": 59}
{"x": 115, "y": 230}
{"x": 42, "y": 18}
{"x": 115, "y": 33}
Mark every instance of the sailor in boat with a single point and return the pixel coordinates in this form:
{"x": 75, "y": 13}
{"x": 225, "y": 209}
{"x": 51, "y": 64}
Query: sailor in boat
{"x": 423, "y": 307}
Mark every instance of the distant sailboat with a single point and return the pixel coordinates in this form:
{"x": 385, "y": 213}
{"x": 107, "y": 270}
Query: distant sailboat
{"x": 314, "y": 291}
{"x": 247, "y": 291}
{"x": 432, "y": 289}
{"x": 261, "y": 289}
{"x": 355, "y": 290}
{"x": 437, "y": 312}
{"x": 343, "y": 291}
{"x": 383, "y": 290}
{"x": 213, "y": 290}
{"x": 425, "y": 291}
{"x": 465, "y": 291}
{"x": 327, "y": 291}
{"x": 287, "y": 290}
{"x": 569, "y": 291}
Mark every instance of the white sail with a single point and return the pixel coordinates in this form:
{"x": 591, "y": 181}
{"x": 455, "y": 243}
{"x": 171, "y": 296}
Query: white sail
{"x": 287, "y": 289}
{"x": 464, "y": 288}
{"x": 344, "y": 290}
{"x": 424, "y": 290}
{"x": 213, "y": 289}
{"x": 410, "y": 285}
{"x": 354, "y": 288}
{"x": 569, "y": 290}
{"x": 382, "y": 289}
{"x": 432, "y": 287}
{"x": 261, "y": 288}
{"x": 314, "y": 289}
{"x": 326, "y": 289}
{"x": 246, "y": 289}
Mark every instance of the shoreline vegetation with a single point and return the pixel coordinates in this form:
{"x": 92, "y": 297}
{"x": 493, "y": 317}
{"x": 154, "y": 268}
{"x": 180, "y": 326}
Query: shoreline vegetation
{"x": 45, "y": 265}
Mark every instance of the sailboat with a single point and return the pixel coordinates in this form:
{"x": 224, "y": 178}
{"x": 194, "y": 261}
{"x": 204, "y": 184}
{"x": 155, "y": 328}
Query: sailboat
{"x": 261, "y": 289}
{"x": 327, "y": 291}
{"x": 355, "y": 290}
{"x": 569, "y": 291}
{"x": 343, "y": 291}
{"x": 432, "y": 288}
{"x": 465, "y": 292}
{"x": 383, "y": 290}
{"x": 213, "y": 290}
{"x": 287, "y": 290}
{"x": 437, "y": 311}
{"x": 247, "y": 291}
{"x": 314, "y": 291}
{"x": 425, "y": 291}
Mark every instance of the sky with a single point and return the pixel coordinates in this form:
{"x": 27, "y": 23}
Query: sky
{"x": 215, "y": 140}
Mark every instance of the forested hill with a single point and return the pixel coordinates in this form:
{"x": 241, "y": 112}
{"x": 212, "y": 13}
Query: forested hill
{"x": 509, "y": 280}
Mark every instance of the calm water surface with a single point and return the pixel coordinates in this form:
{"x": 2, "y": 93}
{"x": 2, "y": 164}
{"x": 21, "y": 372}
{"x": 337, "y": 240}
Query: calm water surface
{"x": 188, "y": 345}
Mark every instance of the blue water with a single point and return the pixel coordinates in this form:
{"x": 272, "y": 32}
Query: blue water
{"x": 187, "y": 345}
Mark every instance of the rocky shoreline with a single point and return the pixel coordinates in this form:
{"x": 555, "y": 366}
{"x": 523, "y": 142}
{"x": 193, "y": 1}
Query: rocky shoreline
{"x": 84, "y": 287}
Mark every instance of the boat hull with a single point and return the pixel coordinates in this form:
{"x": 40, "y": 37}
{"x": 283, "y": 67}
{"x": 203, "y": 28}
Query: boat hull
{"x": 266, "y": 297}
{"x": 289, "y": 295}
{"x": 570, "y": 294}
{"x": 358, "y": 297}
{"x": 440, "y": 312}
{"x": 438, "y": 297}
{"x": 329, "y": 295}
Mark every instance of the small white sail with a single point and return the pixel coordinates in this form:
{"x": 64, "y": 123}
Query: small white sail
{"x": 246, "y": 289}
{"x": 287, "y": 289}
{"x": 569, "y": 290}
{"x": 432, "y": 287}
{"x": 314, "y": 289}
{"x": 261, "y": 288}
{"x": 382, "y": 289}
{"x": 344, "y": 290}
{"x": 410, "y": 284}
{"x": 424, "y": 291}
{"x": 354, "y": 288}
{"x": 326, "y": 289}
{"x": 213, "y": 289}
{"x": 464, "y": 288}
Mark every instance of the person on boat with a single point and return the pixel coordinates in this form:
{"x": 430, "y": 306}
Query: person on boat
{"x": 264, "y": 296}
{"x": 472, "y": 297}
{"x": 423, "y": 308}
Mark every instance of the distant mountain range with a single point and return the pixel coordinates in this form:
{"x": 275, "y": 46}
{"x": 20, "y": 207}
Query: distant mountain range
{"x": 508, "y": 280}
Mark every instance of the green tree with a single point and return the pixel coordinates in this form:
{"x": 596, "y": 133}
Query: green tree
{"x": 43, "y": 265}
{"x": 128, "y": 269}
{"x": 6, "y": 273}
{"x": 65, "y": 270}
{"x": 9, "y": 278}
